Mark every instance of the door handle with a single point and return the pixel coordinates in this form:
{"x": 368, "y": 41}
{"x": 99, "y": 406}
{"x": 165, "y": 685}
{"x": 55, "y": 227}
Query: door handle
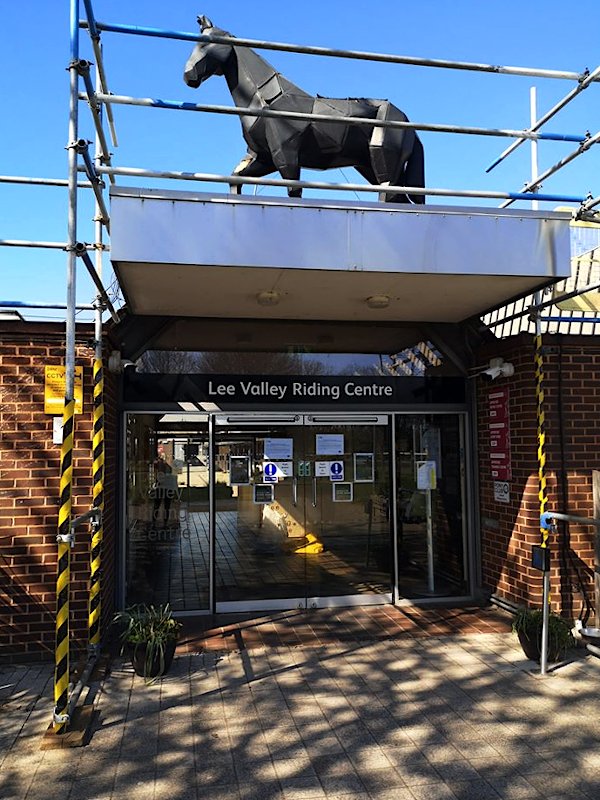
{"x": 295, "y": 490}
{"x": 314, "y": 497}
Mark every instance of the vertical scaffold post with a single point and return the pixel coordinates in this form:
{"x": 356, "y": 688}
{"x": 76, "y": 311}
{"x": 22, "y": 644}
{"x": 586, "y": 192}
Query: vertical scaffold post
{"x": 61, "y": 670}
{"x": 95, "y": 598}
{"x": 64, "y": 539}
{"x": 542, "y": 490}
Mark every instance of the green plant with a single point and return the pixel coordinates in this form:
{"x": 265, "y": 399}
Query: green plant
{"x": 528, "y": 626}
{"x": 150, "y": 634}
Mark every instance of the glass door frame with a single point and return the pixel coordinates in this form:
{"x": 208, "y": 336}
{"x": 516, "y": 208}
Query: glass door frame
{"x": 468, "y": 505}
{"x": 468, "y": 491}
{"x": 305, "y": 420}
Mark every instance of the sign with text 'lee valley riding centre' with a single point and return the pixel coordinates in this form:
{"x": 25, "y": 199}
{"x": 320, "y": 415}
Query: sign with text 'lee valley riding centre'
{"x": 294, "y": 390}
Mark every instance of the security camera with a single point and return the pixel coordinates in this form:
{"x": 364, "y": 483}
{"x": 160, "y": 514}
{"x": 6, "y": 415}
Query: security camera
{"x": 498, "y": 369}
{"x": 116, "y": 363}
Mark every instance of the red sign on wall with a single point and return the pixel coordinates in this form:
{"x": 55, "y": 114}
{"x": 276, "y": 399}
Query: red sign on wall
{"x": 499, "y": 434}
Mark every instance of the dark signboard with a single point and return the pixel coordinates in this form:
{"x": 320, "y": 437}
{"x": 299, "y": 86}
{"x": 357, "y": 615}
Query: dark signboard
{"x": 231, "y": 392}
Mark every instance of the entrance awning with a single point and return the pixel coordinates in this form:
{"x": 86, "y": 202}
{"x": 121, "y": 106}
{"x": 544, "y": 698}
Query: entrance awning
{"x": 180, "y": 254}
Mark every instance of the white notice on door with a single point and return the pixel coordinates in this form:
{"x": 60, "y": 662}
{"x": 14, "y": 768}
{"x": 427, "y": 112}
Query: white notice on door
{"x": 278, "y": 449}
{"x": 329, "y": 444}
{"x": 322, "y": 469}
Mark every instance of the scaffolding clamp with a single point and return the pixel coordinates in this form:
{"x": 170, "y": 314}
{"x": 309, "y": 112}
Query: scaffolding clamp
{"x": 60, "y": 719}
{"x": 82, "y": 66}
{"x": 66, "y": 538}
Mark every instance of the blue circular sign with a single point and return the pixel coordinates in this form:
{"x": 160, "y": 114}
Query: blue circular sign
{"x": 336, "y": 468}
{"x": 270, "y": 470}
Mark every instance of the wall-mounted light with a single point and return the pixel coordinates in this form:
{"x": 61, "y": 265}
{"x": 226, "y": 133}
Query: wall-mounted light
{"x": 268, "y": 298}
{"x": 378, "y": 301}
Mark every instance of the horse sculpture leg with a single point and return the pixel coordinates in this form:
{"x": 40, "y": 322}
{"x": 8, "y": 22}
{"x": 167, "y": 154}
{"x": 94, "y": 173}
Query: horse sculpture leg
{"x": 390, "y": 150}
{"x": 250, "y": 166}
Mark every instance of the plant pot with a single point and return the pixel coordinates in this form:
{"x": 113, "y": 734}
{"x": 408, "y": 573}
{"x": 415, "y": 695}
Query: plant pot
{"x": 532, "y": 648}
{"x": 156, "y": 666}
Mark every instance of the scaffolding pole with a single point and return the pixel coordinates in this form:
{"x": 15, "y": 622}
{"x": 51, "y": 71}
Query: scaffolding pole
{"x": 95, "y": 180}
{"x": 80, "y": 250}
{"x": 234, "y": 180}
{"x": 95, "y": 37}
{"x": 95, "y": 595}
{"x": 179, "y": 105}
{"x": 542, "y": 485}
{"x": 28, "y": 243}
{"x": 42, "y": 181}
{"x": 590, "y": 203}
{"x": 583, "y": 147}
{"x": 537, "y": 124}
{"x": 60, "y": 306}
{"x": 61, "y": 672}
{"x": 83, "y": 67}
{"x": 262, "y": 44}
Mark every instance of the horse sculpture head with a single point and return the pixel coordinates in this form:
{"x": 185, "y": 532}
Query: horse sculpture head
{"x": 207, "y": 58}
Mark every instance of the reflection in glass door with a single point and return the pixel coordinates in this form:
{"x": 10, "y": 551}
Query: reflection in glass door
{"x": 431, "y": 529}
{"x": 167, "y": 511}
{"x": 302, "y": 512}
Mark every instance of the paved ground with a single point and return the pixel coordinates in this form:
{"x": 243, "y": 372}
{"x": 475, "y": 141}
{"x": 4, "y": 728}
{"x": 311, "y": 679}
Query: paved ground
{"x": 437, "y": 717}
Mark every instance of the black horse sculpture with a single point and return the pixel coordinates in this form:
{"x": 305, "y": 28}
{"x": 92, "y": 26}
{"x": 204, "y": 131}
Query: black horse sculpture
{"x": 381, "y": 155}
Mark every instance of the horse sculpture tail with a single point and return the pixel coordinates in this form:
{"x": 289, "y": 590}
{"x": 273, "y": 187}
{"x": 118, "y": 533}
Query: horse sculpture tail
{"x": 414, "y": 171}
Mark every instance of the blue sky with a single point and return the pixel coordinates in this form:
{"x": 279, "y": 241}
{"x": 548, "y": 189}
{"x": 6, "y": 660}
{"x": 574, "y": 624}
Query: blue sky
{"x": 34, "y": 54}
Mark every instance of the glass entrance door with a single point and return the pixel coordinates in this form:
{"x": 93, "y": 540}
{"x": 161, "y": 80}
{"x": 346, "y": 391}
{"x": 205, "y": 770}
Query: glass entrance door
{"x": 431, "y": 519}
{"x": 167, "y": 542}
{"x": 302, "y": 511}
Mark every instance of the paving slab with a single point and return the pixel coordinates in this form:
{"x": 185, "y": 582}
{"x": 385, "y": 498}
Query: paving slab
{"x": 456, "y": 716}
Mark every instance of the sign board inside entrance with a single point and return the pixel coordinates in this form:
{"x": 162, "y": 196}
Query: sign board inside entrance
{"x": 426, "y": 475}
{"x": 329, "y": 444}
{"x": 55, "y": 381}
{"x": 274, "y": 470}
{"x": 239, "y": 470}
{"x": 342, "y": 492}
{"x": 280, "y": 448}
{"x": 336, "y": 470}
{"x": 263, "y": 493}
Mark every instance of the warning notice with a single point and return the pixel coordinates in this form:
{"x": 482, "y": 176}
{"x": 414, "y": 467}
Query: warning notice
{"x": 55, "y": 381}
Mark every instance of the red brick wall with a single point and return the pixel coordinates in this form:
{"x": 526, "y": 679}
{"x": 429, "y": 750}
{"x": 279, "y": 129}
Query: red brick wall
{"x": 29, "y": 492}
{"x": 508, "y": 530}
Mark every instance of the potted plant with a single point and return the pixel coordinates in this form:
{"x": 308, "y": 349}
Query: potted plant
{"x": 528, "y": 627}
{"x": 149, "y": 634}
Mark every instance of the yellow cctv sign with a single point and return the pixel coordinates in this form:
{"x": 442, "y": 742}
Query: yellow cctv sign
{"x": 55, "y": 381}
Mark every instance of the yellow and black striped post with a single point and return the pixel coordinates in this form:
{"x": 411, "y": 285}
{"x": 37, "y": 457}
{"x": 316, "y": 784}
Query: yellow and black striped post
{"x": 542, "y": 492}
{"x": 98, "y": 502}
{"x": 541, "y": 433}
{"x": 63, "y": 578}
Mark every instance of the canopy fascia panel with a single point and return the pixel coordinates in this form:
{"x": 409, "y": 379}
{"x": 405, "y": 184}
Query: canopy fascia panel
{"x": 199, "y": 255}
